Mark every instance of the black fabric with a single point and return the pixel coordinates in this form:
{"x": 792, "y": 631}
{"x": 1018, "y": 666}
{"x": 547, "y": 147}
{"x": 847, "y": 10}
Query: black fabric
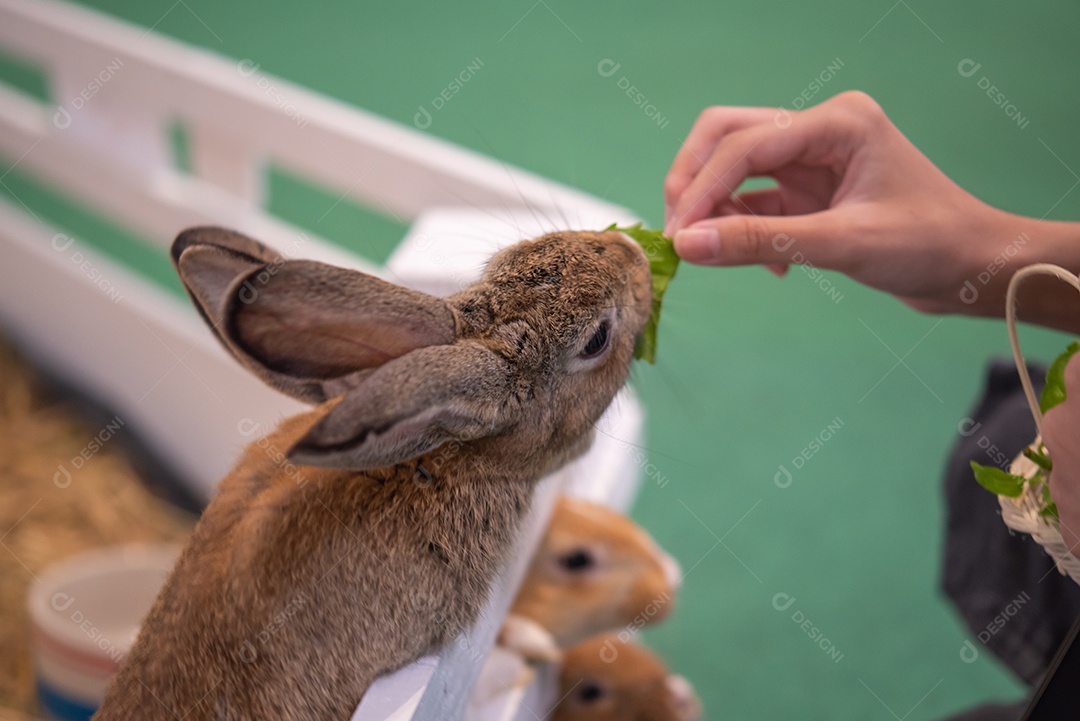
{"x": 993, "y": 712}
{"x": 990, "y": 573}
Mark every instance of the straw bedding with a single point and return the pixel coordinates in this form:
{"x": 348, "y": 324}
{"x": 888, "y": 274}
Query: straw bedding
{"x": 45, "y": 517}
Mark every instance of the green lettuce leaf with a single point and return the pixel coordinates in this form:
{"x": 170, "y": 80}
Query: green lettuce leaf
{"x": 1054, "y": 391}
{"x": 998, "y": 481}
{"x": 663, "y": 262}
{"x": 1039, "y": 457}
{"x": 1051, "y": 507}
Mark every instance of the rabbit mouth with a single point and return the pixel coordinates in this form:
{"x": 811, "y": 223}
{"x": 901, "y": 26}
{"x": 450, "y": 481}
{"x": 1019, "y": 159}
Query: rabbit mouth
{"x": 632, "y": 243}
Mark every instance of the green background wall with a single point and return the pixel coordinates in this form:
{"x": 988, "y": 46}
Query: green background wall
{"x": 751, "y": 368}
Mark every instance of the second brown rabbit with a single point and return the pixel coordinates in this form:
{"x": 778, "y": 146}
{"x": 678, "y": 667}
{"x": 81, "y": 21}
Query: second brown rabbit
{"x": 606, "y": 678}
{"x": 595, "y": 570}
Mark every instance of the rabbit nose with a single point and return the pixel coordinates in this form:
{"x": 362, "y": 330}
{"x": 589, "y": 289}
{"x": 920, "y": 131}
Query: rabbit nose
{"x": 672, "y": 571}
{"x": 687, "y": 704}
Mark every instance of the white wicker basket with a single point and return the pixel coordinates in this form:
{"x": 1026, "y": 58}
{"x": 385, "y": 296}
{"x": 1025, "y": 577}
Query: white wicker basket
{"x": 1023, "y": 512}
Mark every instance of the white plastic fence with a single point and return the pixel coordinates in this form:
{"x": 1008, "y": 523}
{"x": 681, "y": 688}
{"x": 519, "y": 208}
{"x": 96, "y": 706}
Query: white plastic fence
{"x": 103, "y": 140}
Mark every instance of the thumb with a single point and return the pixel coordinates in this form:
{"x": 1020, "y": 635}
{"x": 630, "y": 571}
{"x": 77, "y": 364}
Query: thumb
{"x": 764, "y": 239}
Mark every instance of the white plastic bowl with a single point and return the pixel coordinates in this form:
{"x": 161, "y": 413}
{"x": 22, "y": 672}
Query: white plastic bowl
{"x": 86, "y": 611}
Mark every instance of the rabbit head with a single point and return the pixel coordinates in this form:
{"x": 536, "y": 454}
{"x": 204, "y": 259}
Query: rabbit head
{"x": 595, "y": 570}
{"x": 609, "y": 678}
{"x": 516, "y": 368}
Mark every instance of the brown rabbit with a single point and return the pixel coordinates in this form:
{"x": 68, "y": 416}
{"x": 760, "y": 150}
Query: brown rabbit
{"x": 594, "y": 571}
{"x": 366, "y": 533}
{"x": 608, "y": 679}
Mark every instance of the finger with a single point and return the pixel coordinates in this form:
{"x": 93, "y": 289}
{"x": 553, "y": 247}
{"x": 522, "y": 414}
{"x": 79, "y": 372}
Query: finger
{"x": 711, "y": 125}
{"x": 768, "y": 240}
{"x": 1072, "y": 375}
{"x": 757, "y": 150}
{"x": 718, "y": 177}
{"x": 776, "y": 269}
{"x": 1055, "y": 430}
{"x": 765, "y": 201}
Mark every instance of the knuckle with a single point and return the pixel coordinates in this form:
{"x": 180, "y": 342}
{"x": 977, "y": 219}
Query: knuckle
{"x": 674, "y": 185}
{"x": 857, "y": 100}
{"x": 756, "y": 238}
{"x": 710, "y": 121}
{"x": 860, "y": 106}
{"x": 714, "y": 114}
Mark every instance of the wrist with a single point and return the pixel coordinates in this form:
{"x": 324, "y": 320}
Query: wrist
{"x": 1016, "y": 241}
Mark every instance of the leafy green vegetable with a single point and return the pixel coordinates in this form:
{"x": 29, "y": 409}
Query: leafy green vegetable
{"x": 1039, "y": 457}
{"x": 998, "y": 481}
{"x": 663, "y": 262}
{"x": 1054, "y": 391}
{"x": 1051, "y": 507}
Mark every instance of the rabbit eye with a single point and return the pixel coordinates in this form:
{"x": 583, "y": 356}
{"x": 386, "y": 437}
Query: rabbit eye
{"x": 598, "y": 343}
{"x": 591, "y": 691}
{"x": 577, "y": 560}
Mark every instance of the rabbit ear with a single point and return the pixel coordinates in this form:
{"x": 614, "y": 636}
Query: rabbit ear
{"x": 306, "y": 328}
{"x": 412, "y": 405}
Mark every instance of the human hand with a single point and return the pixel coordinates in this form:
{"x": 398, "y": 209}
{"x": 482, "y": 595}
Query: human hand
{"x": 853, "y": 195}
{"x": 1061, "y": 435}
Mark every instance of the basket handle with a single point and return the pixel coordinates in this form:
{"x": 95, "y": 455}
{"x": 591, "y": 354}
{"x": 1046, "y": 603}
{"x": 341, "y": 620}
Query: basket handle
{"x": 1010, "y": 322}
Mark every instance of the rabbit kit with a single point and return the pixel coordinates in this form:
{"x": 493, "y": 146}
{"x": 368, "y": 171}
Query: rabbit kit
{"x": 373, "y": 536}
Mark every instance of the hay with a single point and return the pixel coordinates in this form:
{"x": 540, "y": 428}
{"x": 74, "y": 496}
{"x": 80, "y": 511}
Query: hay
{"x": 42, "y": 522}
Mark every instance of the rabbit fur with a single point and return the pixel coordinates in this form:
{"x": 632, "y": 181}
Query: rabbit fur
{"x": 366, "y": 533}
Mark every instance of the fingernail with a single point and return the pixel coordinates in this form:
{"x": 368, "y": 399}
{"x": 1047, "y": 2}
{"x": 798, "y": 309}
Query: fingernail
{"x": 777, "y": 269}
{"x": 698, "y": 244}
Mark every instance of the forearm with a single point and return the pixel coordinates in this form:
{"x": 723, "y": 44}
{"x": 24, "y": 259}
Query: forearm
{"x": 1019, "y": 241}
